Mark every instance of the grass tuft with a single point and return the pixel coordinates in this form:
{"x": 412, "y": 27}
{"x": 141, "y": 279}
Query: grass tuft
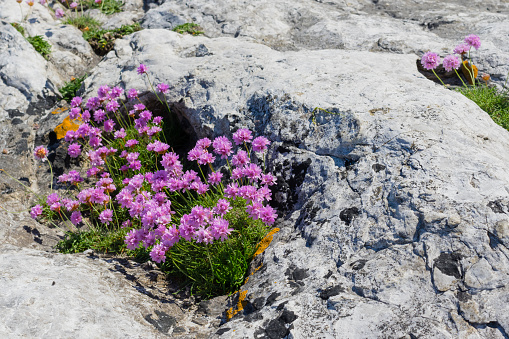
{"x": 102, "y": 40}
{"x": 71, "y": 88}
{"x": 83, "y": 22}
{"x": 107, "y": 7}
{"x": 41, "y": 45}
{"x": 491, "y": 100}
{"x": 189, "y": 27}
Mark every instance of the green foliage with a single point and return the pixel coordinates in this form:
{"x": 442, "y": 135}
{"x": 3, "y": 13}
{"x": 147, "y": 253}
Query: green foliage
{"x": 40, "y": 44}
{"x": 491, "y": 100}
{"x": 189, "y": 27}
{"x": 83, "y": 22}
{"x": 221, "y": 267}
{"x": 107, "y": 7}
{"x": 102, "y": 40}
{"x": 19, "y": 28}
{"x": 71, "y": 88}
{"x": 104, "y": 241}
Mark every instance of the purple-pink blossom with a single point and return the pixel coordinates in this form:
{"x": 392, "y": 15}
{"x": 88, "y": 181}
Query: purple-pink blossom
{"x": 473, "y": 41}
{"x": 461, "y": 49}
{"x": 36, "y": 211}
{"x": 59, "y": 13}
{"x": 76, "y": 217}
{"x": 451, "y": 62}
{"x": 74, "y": 150}
{"x": 106, "y": 216}
{"x": 430, "y": 60}
{"x": 242, "y": 135}
{"x": 142, "y": 69}
{"x": 222, "y": 146}
{"x": 163, "y": 88}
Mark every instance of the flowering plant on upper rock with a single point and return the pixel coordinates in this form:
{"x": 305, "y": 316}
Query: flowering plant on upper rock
{"x": 186, "y": 213}
{"x": 459, "y": 58}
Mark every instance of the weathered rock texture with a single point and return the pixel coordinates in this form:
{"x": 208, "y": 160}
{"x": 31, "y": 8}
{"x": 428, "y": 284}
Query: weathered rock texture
{"x": 394, "y": 206}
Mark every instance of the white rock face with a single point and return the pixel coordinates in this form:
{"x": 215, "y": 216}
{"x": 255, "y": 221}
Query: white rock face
{"x": 47, "y": 295}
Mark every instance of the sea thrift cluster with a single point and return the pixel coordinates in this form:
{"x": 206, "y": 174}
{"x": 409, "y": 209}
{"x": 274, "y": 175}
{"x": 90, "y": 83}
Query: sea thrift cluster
{"x": 134, "y": 177}
{"x": 431, "y": 61}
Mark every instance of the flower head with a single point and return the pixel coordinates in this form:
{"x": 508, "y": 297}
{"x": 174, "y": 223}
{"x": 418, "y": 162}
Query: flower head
{"x": 451, "y": 62}
{"x": 76, "y": 217}
{"x": 41, "y": 153}
{"x": 163, "y": 88}
{"x": 73, "y": 5}
{"x": 473, "y": 41}
{"x": 222, "y": 146}
{"x": 59, "y": 13}
{"x": 142, "y": 69}
{"x": 430, "y": 60}
{"x": 242, "y": 135}
{"x": 74, "y": 150}
{"x": 36, "y": 211}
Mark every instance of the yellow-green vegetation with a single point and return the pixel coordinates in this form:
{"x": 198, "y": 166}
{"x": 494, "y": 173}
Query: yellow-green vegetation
{"x": 189, "y": 27}
{"x": 107, "y": 7}
{"x": 70, "y": 88}
{"x": 40, "y": 44}
{"x": 83, "y": 22}
{"x": 491, "y": 100}
{"x": 102, "y": 40}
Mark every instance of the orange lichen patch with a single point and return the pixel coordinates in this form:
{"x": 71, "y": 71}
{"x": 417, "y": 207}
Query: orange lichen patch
{"x": 241, "y": 303}
{"x": 66, "y": 125}
{"x": 469, "y": 70}
{"x": 59, "y": 110}
{"x": 265, "y": 242}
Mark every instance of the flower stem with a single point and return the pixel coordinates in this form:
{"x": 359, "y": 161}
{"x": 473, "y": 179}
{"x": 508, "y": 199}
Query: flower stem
{"x": 438, "y": 77}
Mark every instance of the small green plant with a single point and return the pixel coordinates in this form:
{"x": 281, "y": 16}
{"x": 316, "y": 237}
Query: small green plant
{"x": 83, "y": 22}
{"x": 107, "y": 7}
{"x": 102, "y": 40}
{"x": 71, "y": 88}
{"x": 19, "y": 28}
{"x": 189, "y": 27}
{"x": 41, "y": 45}
{"x": 491, "y": 100}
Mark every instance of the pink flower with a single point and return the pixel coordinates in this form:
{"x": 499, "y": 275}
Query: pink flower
{"x": 268, "y": 179}
{"x": 120, "y": 134}
{"x": 59, "y": 13}
{"x": 215, "y": 177}
{"x": 163, "y": 88}
{"x": 268, "y": 215}
{"x": 158, "y": 147}
{"x": 106, "y": 216}
{"x": 102, "y": 92}
{"x": 222, "y": 207}
{"x": 41, "y": 153}
{"x": 112, "y": 106}
{"x": 93, "y": 103}
{"x": 240, "y": 159}
{"x": 74, "y": 150}
{"x": 132, "y": 93}
{"x": 131, "y": 142}
{"x": 36, "y": 211}
{"x": 203, "y": 143}
{"x": 430, "y": 60}
{"x": 219, "y": 229}
{"x": 76, "y": 101}
{"x": 139, "y": 107}
{"x": 252, "y": 171}
{"x": 206, "y": 158}
{"x": 76, "y": 217}
{"x": 43, "y": 2}
{"x": 171, "y": 236}
{"x": 99, "y": 115}
{"x": 73, "y": 5}
{"x": 74, "y": 113}
{"x": 222, "y": 146}
{"x": 260, "y": 144}
{"x": 85, "y": 116}
{"x": 451, "y": 62}
{"x": 142, "y": 69}
{"x": 132, "y": 240}
{"x": 473, "y": 41}
{"x": 158, "y": 253}
{"x": 109, "y": 125}
{"x": 242, "y": 135}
